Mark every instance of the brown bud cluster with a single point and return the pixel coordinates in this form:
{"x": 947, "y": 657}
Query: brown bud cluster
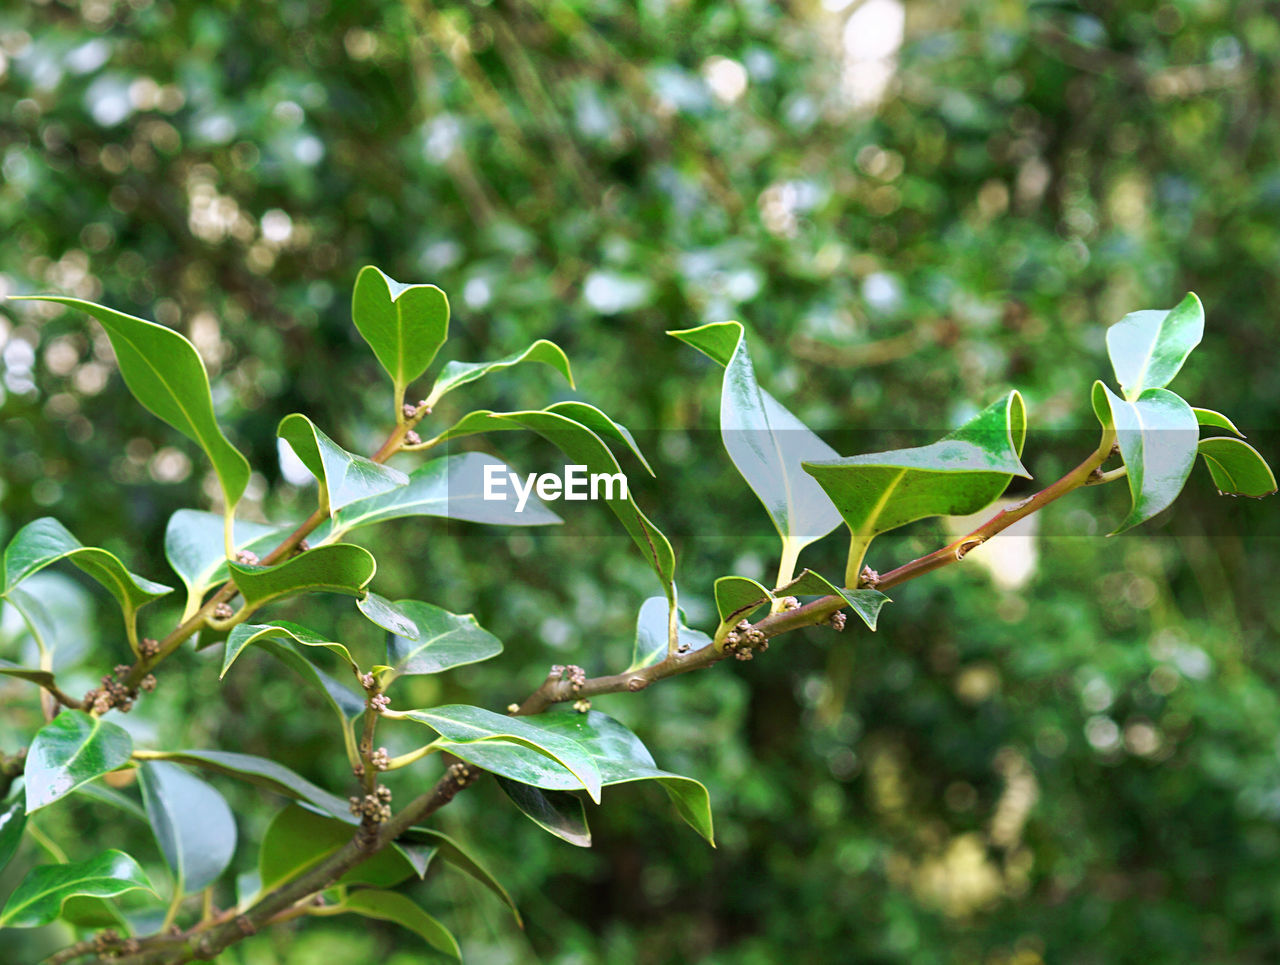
{"x": 373, "y": 808}
{"x": 114, "y": 693}
{"x": 460, "y": 774}
{"x": 223, "y": 611}
{"x": 744, "y": 640}
{"x": 379, "y": 702}
{"x": 837, "y": 620}
{"x": 380, "y": 759}
{"x": 247, "y": 558}
{"x": 367, "y": 681}
{"x": 148, "y": 648}
{"x": 571, "y": 672}
{"x": 790, "y": 603}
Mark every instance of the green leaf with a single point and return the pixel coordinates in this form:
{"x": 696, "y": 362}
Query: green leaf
{"x": 471, "y": 727}
{"x": 344, "y": 476}
{"x": 194, "y": 546}
{"x": 39, "y": 898}
{"x": 614, "y": 434}
{"x": 454, "y": 853}
{"x": 256, "y": 770}
{"x": 556, "y": 812}
{"x": 1148, "y": 348}
{"x": 405, "y": 325}
{"x": 336, "y": 568}
{"x": 191, "y": 822}
{"x": 1237, "y": 468}
{"x": 13, "y": 820}
{"x": 1157, "y": 435}
{"x": 393, "y": 906}
{"x": 424, "y": 639}
{"x": 865, "y": 603}
{"x": 164, "y": 372}
{"x": 1215, "y": 420}
{"x": 453, "y": 488}
{"x": 298, "y": 839}
{"x": 455, "y": 374}
{"x": 737, "y": 597}
{"x": 956, "y": 476}
{"x": 110, "y": 796}
{"x": 44, "y": 678}
{"x": 766, "y": 442}
{"x": 622, "y": 758}
{"x": 652, "y": 633}
{"x": 70, "y": 750}
{"x": 46, "y": 541}
{"x": 248, "y": 633}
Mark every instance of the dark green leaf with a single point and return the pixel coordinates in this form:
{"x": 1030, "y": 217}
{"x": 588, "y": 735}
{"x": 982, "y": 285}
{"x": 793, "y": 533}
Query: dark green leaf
{"x": 459, "y": 857}
{"x": 865, "y": 603}
{"x": 13, "y": 820}
{"x": 298, "y": 839}
{"x": 456, "y": 374}
{"x": 956, "y": 476}
{"x": 164, "y": 372}
{"x": 44, "y": 678}
{"x": 556, "y": 812}
{"x": 1237, "y": 468}
{"x": 344, "y": 476}
{"x": 194, "y": 546}
{"x": 1148, "y": 348}
{"x": 116, "y": 799}
{"x": 1157, "y": 435}
{"x": 337, "y": 568}
{"x": 737, "y": 597}
{"x": 766, "y": 442}
{"x": 1215, "y": 420}
{"x": 248, "y": 633}
{"x": 393, "y": 906}
{"x": 38, "y": 899}
{"x": 652, "y": 633}
{"x": 68, "y": 751}
{"x": 191, "y": 822}
{"x": 405, "y": 325}
{"x": 424, "y": 639}
{"x": 614, "y": 434}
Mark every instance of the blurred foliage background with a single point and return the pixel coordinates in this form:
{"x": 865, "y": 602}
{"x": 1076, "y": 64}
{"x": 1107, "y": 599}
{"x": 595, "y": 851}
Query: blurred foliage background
{"x": 913, "y": 207}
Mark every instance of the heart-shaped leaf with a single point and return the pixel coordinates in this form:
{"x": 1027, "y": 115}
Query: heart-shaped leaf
{"x": 194, "y": 545}
{"x": 956, "y": 476}
{"x": 473, "y": 730}
{"x": 70, "y": 750}
{"x": 1215, "y": 420}
{"x": 453, "y": 488}
{"x": 865, "y": 603}
{"x": 1148, "y": 348}
{"x": 39, "y": 898}
{"x": 456, "y": 374}
{"x": 766, "y": 442}
{"x": 338, "y": 568}
{"x": 13, "y": 820}
{"x": 737, "y": 597}
{"x": 652, "y": 632}
{"x": 164, "y": 372}
{"x": 424, "y": 639}
{"x": 1157, "y": 434}
{"x": 556, "y": 812}
{"x": 1237, "y": 468}
{"x": 191, "y": 822}
{"x": 248, "y": 633}
{"x": 344, "y": 477}
{"x": 405, "y": 325}
{"x": 401, "y": 909}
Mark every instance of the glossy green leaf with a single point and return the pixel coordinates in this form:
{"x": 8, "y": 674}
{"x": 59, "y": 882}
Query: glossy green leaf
{"x": 652, "y": 634}
{"x": 424, "y": 639}
{"x": 737, "y": 597}
{"x": 194, "y": 546}
{"x": 452, "y": 488}
{"x": 191, "y": 821}
{"x": 44, "y": 678}
{"x": 104, "y": 793}
{"x": 458, "y": 856}
{"x": 13, "y": 820}
{"x": 345, "y": 477}
{"x": 164, "y": 372}
{"x": 469, "y": 726}
{"x": 405, "y": 325}
{"x": 1157, "y": 435}
{"x": 766, "y": 442}
{"x": 622, "y": 758}
{"x": 46, "y": 541}
{"x": 401, "y": 909}
{"x": 1215, "y": 420}
{"x": 614, "y": 434}
{"x": 337, "y": 568}
{"x": 259, "y": 771}
{"x": 1148, "y": 348}
{"x": 556, "y": 812}
{"x": 958, "y": 475}
{"x": 1237, "y": 468}
{"x": 70, "y": 750}
{"x": 85, "y": 911}
{"x": 298, "y": 839}
{"x": 864, "y": 602}
{"x": 249, "y": 633}
{"x": 456, "y": 374}
{"x": 39, "y": 898}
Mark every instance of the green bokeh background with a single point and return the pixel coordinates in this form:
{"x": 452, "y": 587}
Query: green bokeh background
{"x": 913, "y": 209}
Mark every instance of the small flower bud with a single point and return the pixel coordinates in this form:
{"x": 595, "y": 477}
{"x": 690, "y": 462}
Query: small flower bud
{"x": 380, "y": 759}
{"x": 582, "y": 706}
{"x": 223, "y": 611}
{"x": 837, "y": 621}
{"x": 247, "y": 558}
{"x": 513, "y": 708}
{"x": 409, "y": 409}
{"x": 149, "y": 647}
{"x": 411, "y": 438}
{"x": 379, "y": 703}
{"x": 790, "y": 603}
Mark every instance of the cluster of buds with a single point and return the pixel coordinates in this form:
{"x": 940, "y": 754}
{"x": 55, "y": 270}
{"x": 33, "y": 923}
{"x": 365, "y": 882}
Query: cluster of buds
{"x": 247, "y": 558}
{"x": 223, "y": 611}
{"x": 571, "y": 672}
{"x": 790, "y": 603}
{"x": 868, "y": 577}
{"x": 744, "y": 640}
{"x": 460, "y": 774}
{"x": 148, "y": 648}
{"x": 303, "y": 546}
{"x": 368, "y": 682}
{"x": 411, "y": 438}
{"x": 373, "y": 808}
{"x": 379, "y": 702}
{"x": 412, "y": 411}
{"x": 113, "y": 693}
{"x": 380, "y": 759}
{"x": 582, "y": 705}
{"x": 837, "y": 620}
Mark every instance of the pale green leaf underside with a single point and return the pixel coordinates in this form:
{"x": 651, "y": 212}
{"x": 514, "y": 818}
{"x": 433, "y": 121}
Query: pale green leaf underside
{"x": 738, "y": 597}
{"x": 652, "y": 637}
{"x": 1148, "y": 348}
{"x": 1215, "y": 420}
{"x": 191, "y": 821}
{"x": 248, "y": 633}
{"x": 347, "y": 477}
{"x": 457, "y": 374}
{"x": 559, "y": 813}
{"x": 194, "y": 546}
